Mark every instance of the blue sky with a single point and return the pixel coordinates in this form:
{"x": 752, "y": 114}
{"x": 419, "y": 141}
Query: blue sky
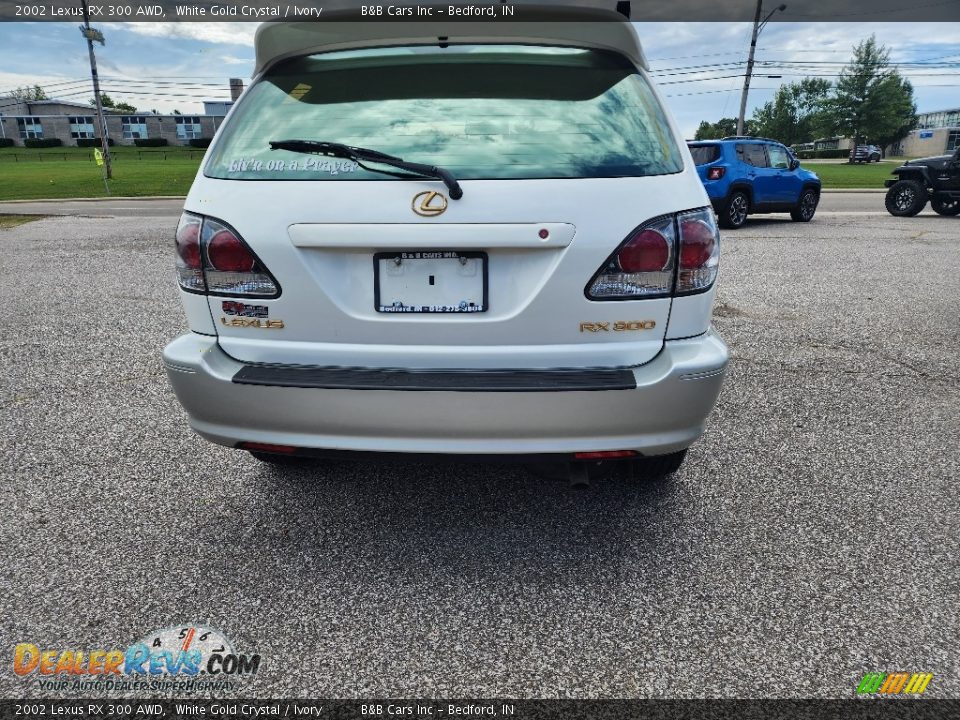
{"x": 166, "y": 66}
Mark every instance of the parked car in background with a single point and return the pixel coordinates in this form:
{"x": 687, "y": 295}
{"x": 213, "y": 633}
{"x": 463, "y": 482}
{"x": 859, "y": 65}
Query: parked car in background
{"x": 402, "y": 246}
{"x": 866, "y": 153}
{"x": 746, "y": 176}
{"x": 936, "y": 179}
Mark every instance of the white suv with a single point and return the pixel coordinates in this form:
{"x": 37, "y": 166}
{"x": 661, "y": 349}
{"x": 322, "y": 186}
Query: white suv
{"x": 534, "y": 278}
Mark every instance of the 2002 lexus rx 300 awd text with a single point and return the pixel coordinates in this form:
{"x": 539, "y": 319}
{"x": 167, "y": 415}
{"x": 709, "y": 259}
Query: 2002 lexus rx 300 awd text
{"x": 534, "y": 277}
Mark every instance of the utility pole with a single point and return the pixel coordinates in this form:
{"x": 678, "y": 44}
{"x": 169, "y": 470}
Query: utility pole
{"x": 757, "y": 29}
{"x": 91, "y": 34}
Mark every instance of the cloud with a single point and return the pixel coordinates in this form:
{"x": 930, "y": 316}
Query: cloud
{"x": 230, "y": 33}
{"x": 231, "y": 60}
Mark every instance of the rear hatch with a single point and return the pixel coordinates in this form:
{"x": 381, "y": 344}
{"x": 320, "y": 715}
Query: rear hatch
{"x": 561, "y": 153}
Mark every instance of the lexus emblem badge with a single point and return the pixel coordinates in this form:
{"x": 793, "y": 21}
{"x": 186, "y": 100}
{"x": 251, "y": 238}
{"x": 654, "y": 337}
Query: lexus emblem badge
{"x": 429, "y": 203}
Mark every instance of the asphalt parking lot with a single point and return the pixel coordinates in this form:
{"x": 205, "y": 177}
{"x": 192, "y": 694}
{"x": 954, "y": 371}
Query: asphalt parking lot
{"x": 812, "y": 536}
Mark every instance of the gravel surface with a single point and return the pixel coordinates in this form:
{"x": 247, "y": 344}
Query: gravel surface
{"x": 812, "y": 535}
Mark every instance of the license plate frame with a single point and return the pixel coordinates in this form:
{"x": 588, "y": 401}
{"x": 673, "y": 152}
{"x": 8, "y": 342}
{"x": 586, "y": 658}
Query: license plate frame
{"x": 432, "y": 255}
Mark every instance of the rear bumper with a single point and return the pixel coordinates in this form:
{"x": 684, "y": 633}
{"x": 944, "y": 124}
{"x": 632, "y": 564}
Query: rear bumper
{"x": 656, "y": 408}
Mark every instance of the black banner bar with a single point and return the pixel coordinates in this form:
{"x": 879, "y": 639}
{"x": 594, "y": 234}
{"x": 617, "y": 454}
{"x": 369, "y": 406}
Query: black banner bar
{"x": 472, "y": 11}
{"x": 873, "y": 708}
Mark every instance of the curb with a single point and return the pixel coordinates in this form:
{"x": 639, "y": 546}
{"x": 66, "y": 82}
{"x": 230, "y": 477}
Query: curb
{"x": 854, "y": 190}
{"x": 123, "y": 198}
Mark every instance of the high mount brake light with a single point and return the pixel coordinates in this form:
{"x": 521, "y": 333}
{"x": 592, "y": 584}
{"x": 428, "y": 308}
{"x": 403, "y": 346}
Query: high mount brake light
{"x": 672, "y": 254}
{"x": 213, "y": 259}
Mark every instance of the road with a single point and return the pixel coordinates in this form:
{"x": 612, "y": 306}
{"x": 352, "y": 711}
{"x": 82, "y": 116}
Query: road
{"x": 833, "y": 203}
{"x": 812, "y": 536}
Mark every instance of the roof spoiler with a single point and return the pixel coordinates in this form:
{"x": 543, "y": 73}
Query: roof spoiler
{"x": 598, "y": 24}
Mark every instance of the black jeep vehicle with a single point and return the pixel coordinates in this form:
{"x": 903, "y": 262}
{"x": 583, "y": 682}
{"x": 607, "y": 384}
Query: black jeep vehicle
{"x": 934, "y": 178}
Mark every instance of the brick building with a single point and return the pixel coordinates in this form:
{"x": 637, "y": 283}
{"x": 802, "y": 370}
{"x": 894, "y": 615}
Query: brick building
{"x": 24, "y": 119}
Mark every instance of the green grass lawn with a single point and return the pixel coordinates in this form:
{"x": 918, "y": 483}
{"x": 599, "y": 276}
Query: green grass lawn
{"x": 71, "y": 172}
{"x": 844, "y": 175}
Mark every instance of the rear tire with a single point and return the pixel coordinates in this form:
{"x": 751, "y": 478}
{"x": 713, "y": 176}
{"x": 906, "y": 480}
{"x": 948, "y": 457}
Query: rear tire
{"x": 945, "y": 206}
{"x": 906, "y": 198}
{"x": 735, "y": 211}
{"x": 807, "y": 206}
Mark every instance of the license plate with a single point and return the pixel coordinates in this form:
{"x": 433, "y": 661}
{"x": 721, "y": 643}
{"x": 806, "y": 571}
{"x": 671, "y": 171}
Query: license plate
{"x": 430, "y": 281}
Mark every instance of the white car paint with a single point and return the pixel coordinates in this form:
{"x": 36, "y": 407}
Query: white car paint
{"x": 318, "y": 239}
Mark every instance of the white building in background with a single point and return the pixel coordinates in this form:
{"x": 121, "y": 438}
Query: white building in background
{"x": 69, "y": 122}
{"x": 937, "y": 133}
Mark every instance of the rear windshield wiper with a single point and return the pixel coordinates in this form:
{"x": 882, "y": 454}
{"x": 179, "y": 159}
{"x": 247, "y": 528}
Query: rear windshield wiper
{"x": 360, "y": 155}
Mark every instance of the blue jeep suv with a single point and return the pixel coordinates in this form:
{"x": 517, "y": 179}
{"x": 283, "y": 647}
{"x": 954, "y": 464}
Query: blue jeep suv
{"x": 747, "y": 175}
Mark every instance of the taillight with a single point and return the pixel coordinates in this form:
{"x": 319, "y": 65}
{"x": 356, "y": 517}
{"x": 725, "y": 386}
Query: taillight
{"x": 677, "y": 254}
{"x": 715, "y": 173}
{"x": 213, "y": 258}
{"x": 647, "y": 251}
{"x": 699, "y": 251}
{"x": 227, "y": 253}
{"x": 642, "y": 267}
{"x": 189, "y": 261}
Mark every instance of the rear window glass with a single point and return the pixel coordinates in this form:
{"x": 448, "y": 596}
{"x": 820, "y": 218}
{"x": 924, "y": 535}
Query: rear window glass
{"x": 482, "y": 112}
{"x": 703, "y": 154}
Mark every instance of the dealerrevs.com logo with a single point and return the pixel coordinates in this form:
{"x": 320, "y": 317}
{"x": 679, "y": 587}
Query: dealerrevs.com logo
{"x": 894, "y": 683}
{"x": 185, "y": 658}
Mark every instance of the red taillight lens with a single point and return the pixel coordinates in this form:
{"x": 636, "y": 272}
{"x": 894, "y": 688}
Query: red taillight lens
{"x": 213, "y": 259}
{"x": 699, "y": 243}
{"x": 227, "y": 253}
{"x": 604, "y": 454}
{"x": 188, "y": 244}
{"x": 189, "y": 257}
{"x": 642, "y": 267}
{"x": 268, "y": 447}
{"x": 672, "y": 254}
{"x": 696, "y": 243}
{"x": 715, "y": 173}
{"x": 647, "y": 251}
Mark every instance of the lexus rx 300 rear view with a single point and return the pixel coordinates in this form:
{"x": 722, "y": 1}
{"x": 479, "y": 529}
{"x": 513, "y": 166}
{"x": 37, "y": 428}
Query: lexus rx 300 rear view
{"x": 479, "y": 239}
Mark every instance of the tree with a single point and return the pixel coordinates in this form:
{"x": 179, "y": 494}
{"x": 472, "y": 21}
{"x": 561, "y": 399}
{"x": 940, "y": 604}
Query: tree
{"x": 724, "y": 127}
{"x": 796, "y": 113}
{"x": 871, "y": 101}
{"x": 896, "y": 94}
{"x": 109, "y": 102}
{"x": 105, "y": 100}
{"x": 29, "y": 94}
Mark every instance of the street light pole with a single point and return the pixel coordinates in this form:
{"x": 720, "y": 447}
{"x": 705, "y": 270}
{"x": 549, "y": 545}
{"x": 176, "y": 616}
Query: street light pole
{"x": 90, "y": 34}
{"x": 757, "y": 29}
